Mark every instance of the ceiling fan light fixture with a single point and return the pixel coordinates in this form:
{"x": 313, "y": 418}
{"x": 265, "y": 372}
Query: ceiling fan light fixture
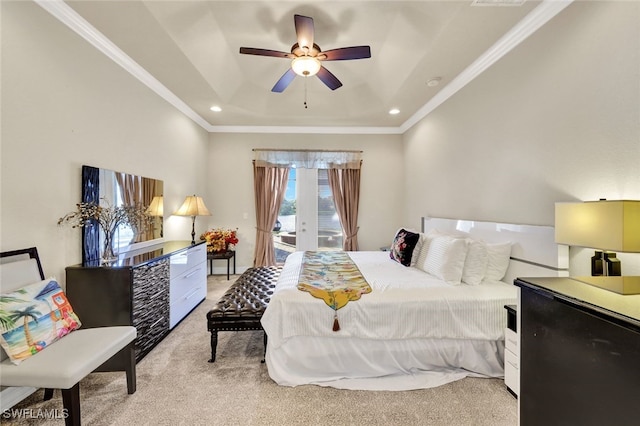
{"x": 305, "y": 66}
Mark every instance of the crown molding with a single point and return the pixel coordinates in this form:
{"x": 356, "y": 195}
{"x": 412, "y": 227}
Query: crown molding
{"x": 309, "y": 130}
{"x": 522, "y": 30}
{"x": 527, "y": 26}
{"x": 65, "y": 14}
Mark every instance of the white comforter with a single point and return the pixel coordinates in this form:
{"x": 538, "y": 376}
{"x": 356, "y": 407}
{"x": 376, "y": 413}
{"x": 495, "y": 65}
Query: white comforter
{"x": 405, "y": 303}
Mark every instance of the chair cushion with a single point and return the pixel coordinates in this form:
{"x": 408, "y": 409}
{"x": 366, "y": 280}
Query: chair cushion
{"x": 69, "y": 360}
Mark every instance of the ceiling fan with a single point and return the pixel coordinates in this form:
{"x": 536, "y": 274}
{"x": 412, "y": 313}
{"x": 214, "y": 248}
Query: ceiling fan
{"x": 306, "y": 56}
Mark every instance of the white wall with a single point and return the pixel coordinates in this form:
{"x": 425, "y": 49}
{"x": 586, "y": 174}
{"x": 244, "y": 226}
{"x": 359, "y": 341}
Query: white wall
{"x": 230, "y": 183}
{"x": 557, "y": 119}
{"x": 64, "y": 104}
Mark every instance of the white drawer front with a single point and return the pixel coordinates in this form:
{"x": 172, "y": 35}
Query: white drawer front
{"x": 183, "y": 284}
{"x": 187, "y": 259}
{"x": 511, "y": 341}
{"x": 511, "y": 371}
{"x": 180, "y": 308}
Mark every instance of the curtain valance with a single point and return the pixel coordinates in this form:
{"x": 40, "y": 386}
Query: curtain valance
{"x": 308, "y": 159}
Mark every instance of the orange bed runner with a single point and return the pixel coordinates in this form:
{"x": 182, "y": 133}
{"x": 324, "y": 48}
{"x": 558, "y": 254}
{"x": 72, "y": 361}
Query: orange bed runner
{"x": 333, "y": 277}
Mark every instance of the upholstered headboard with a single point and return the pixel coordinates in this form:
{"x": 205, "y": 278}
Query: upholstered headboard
{"x": 534, "y": 252}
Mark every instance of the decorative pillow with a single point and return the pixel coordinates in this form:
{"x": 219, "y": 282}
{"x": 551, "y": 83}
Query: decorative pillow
{"x": 475, "y": 264}
{"x": 498, "y": 260}
{"x": 445, "y": 258}
{"x": 403, "y": 245}
{"x": 33, "y": 317}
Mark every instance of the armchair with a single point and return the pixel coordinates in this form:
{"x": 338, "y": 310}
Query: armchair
{"x": 64, "y": 363}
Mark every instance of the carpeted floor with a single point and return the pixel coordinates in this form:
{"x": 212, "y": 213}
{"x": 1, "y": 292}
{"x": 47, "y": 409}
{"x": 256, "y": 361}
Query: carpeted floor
{"x": 177, "y": 386}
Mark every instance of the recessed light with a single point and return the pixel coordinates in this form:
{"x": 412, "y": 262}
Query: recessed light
{"x": 215, "y": 108}
{"x": 394, "y": 111}
{"x": 434, "y": 82}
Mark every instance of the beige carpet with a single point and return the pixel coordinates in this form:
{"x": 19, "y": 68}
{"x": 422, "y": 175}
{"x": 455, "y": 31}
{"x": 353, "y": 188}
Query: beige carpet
{"x": 177, "y": 386}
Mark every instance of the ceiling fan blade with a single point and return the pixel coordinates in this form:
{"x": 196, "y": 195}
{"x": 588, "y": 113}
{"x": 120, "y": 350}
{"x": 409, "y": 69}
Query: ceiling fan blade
{"x": 264, "y": 52}
{"x": 284, "y": 81}
{"x": 304, "y": 31}
{"x": 344, "y": 53}
{"x": 329, "y": 79}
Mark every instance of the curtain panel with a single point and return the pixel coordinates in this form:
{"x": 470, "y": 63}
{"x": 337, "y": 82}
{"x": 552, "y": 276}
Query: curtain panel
{"x": 345, "y": 188}
{"x": 270, "y": 185}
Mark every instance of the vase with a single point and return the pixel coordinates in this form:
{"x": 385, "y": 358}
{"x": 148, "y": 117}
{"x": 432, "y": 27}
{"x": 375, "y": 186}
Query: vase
{"x": 109, "y": 255}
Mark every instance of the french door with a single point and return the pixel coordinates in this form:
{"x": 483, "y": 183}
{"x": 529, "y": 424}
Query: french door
{"x": 308, "y": 218}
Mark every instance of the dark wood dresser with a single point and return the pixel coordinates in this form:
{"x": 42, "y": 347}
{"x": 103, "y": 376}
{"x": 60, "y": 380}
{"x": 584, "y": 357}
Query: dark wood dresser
{"x": 152, "y": 289}
{"x": 579, "y": 354}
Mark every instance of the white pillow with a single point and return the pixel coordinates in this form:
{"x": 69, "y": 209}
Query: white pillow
{"x": 497, "y": 260}
{"x": 424, "y": 248}
{"x": 475, "y": 264}
{"x": 418, "y": 248}
{"x": 445, "y": 258}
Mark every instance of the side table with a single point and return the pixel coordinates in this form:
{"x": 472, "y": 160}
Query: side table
{"x": 228, "y": 255}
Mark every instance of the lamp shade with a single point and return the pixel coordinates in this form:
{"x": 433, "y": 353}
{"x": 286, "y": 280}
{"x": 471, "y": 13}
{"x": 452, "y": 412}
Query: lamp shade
{"x": 606, "y": 225}
{"x": 193, "y": 206}
{"x": 156, "y": 206}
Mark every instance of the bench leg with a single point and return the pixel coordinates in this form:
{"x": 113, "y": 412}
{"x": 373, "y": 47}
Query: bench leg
{"x": 48, "y": 394}
{"x": 130, "y": 368}
{"x": 214, "y": 344}
{"x": 265, "y": 347}
{"x": 71, "y": 403}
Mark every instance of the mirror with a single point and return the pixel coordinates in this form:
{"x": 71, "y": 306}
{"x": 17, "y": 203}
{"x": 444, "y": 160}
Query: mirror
{"x": 108, "y": 187}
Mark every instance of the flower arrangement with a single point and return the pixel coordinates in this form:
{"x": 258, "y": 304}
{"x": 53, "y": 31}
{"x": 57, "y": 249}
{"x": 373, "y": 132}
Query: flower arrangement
{"x": 109, "y": 218}
{"x": 219, "y": 240}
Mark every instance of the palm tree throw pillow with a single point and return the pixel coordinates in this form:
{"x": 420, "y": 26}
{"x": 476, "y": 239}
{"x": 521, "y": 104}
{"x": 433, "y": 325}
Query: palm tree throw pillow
{"x": 33, "y": 317}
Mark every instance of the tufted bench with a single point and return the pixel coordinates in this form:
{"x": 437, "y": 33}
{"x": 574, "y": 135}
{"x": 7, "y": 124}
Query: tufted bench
{"x": 242, "y": 306}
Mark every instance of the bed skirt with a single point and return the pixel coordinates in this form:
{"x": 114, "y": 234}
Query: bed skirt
{"x": 365, "y": 364}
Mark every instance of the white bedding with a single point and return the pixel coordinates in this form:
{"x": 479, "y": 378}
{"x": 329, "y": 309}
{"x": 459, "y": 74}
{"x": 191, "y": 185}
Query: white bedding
{"x": 412, "y": 331}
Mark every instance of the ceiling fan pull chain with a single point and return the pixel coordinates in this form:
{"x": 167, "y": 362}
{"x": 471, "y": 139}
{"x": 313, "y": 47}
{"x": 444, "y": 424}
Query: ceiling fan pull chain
{"x": 305, "y": 93}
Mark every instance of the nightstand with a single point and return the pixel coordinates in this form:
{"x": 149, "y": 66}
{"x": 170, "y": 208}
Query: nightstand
{"x": 512, "y": 351}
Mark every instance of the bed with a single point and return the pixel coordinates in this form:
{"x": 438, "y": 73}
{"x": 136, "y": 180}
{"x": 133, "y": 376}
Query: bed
{"x": 413, "y": 329}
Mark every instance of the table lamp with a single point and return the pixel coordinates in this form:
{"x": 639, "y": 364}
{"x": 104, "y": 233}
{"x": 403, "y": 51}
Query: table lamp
{"x": 193, "y": 206}
{"x": 605, "y": 226}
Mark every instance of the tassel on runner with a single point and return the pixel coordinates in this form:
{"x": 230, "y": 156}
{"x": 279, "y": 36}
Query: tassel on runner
{"x": 336, "y": 324}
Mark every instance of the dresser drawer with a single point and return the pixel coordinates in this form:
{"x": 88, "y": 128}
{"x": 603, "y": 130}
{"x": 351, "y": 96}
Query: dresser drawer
{"x": 511, "y": 341}
{"x": 185, "y": 283}
{"x": 181, "y": 307}
{"x": 187, "y": 259}
{"x": 511, "y": 371}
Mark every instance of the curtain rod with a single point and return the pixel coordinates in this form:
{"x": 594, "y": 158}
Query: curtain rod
{"x": 306, "y": 150}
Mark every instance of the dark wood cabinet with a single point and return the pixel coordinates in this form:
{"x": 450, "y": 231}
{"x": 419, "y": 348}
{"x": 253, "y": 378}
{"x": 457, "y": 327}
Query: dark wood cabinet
{"x": 151, "y": 289}
{"x": 579, "y": 354}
